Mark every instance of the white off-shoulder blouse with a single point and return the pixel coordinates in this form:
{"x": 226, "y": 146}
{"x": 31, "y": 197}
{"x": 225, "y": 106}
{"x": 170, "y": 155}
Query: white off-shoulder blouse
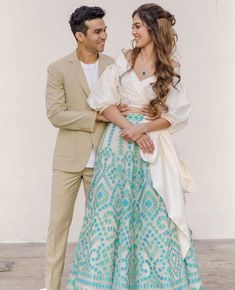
{"x": 115, "y": 86}
{"x": 169, "y": 174}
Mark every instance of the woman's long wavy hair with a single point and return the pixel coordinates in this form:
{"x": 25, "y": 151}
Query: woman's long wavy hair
{"x": 160, "y": 26}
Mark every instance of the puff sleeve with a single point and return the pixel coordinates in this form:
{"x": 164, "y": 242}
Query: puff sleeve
{"x": 178, "y": 109}
{"x": 105, "y": 92}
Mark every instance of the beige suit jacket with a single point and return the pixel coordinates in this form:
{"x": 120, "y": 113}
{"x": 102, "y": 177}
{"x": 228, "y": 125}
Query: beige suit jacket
{"x": 67, "y": 109}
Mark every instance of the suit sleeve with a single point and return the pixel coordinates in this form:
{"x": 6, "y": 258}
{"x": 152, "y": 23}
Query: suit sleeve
{"x": 57, "y": 110}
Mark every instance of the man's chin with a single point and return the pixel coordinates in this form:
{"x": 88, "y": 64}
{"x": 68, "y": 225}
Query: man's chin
{"x": 100, "y": 48}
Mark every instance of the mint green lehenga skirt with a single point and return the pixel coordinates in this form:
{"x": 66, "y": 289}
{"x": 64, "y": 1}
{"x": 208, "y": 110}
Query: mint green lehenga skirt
{"x": 128, "y": 240}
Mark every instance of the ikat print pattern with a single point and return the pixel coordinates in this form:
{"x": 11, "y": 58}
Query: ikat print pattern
{"x": 127, "y": 240}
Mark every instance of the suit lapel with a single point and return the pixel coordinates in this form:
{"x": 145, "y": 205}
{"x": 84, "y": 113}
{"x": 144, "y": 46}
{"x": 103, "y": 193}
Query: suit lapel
{"x": 78, "y": 72}
{"x": 102, "y": 64}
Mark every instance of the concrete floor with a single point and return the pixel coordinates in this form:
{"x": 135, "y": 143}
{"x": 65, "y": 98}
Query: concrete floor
{"x": 216, "y": 259}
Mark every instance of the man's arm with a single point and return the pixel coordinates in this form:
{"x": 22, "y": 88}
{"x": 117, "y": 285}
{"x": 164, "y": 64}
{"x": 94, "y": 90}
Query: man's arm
{"x": 57, "y": 111}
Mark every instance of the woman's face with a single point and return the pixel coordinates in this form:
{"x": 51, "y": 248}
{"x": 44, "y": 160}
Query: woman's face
{"x": 140, "y": 32}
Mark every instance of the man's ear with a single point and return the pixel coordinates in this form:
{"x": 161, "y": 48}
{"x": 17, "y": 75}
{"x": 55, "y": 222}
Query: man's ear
{"x": 79, "y": 36}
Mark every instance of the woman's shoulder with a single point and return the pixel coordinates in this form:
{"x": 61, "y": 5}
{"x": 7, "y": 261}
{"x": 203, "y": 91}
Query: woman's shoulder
{"x": 123, "y": 58}
{"x": 121, "y": 62}
{"x": 127, "y": 53}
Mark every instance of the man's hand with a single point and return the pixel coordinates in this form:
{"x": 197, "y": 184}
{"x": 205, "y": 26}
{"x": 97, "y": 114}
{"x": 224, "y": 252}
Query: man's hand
{"x": 101, "y": 118}
{"x": 145, "y": 144}
{"x": 123, "y": 109}
{"x": 133, "y": 133}
{"x": 150, "y": 115}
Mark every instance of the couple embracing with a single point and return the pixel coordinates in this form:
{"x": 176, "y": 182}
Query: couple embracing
{"x": 115, "y": 120}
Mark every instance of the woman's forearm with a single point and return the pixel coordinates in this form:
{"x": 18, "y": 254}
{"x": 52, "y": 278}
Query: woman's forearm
{"x": 156, "y": 125}
{"x": 113, "y": 115}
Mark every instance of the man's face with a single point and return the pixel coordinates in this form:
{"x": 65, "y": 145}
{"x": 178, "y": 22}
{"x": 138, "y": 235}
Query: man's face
{"x": 96, "y": 35}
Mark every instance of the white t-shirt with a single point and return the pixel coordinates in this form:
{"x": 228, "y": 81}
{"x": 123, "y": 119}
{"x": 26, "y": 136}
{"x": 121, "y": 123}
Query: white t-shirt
{"x": 91, "y": 73}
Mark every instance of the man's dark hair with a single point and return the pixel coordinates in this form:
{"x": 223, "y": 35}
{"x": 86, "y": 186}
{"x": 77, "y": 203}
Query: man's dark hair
{"x": 81, "y": 14}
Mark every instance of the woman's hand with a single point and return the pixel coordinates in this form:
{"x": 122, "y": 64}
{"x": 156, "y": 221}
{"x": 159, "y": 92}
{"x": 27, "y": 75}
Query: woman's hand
{"x": 145, "y": 144}
{"x": 133, "y": 133}
{"x": 137, "y": 133}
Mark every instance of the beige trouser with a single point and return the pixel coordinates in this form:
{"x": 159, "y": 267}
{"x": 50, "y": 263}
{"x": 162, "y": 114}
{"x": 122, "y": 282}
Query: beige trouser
{"x": 65, "y": 186}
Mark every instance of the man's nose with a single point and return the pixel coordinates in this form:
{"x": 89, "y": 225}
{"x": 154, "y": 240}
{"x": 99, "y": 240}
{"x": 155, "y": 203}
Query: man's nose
{"x": 104, "y": 35}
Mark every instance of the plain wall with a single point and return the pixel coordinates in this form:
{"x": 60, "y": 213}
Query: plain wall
{"x": 35, "y": 33}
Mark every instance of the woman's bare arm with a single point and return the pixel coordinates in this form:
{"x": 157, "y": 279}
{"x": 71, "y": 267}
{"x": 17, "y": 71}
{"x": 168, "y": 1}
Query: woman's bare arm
{"x": 113, "y": 114}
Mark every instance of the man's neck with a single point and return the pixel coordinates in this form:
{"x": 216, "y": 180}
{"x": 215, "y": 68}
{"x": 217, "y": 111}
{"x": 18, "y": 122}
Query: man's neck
{"x": 87, "y": 57}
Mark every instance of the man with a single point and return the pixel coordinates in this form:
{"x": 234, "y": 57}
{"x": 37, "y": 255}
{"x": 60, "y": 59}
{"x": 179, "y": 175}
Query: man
{"x": 80, "y": 129}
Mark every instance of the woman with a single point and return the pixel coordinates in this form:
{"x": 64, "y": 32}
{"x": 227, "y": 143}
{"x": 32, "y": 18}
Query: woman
{"x": 135, "y": 234}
